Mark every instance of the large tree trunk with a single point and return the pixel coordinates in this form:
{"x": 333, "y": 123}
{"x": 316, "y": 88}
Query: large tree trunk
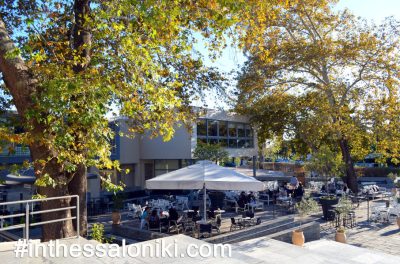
{"x": 78, "y": 186}
{"x": 82, "y": 43}
{"x": 351, "y": 176}
{"x": 22, "y": 86}
{"x": 54, "y": 169}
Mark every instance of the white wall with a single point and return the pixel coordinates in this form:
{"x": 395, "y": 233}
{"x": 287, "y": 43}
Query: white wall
{"x": 129, "y": 147}
{"x": 179, "y": 147}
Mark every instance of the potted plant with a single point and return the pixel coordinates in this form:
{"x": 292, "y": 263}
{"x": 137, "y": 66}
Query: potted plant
{"x": 326, "y": 204}
{"x": 340, "y": 235}
{"x": 116, "y": 189}
{"x": 306, "y": 206}
{"x": 117, "y": 206}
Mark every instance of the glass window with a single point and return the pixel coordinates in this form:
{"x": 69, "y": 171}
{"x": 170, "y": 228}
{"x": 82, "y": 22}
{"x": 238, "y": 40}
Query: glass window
{"x": 241, "y": 143}
{"x": 212, "y": 128}
{"x": 165, "y": 166}
{"x": 202, "y": 127}
{"x": 201, "y": 140}
{"x": 249, "y": 131}
{"x": 233, "y": 143}
{"x": 187, "y": 162}
{"x": 240, "y": 130}
{"x": 232, "y": 130}
{"x": 21, "y": 150}
{"x": 223, "y": 142}
{"x": 249, "y": 143}
{"x": 223, "y": 128}
{"x": 213, "y": 141}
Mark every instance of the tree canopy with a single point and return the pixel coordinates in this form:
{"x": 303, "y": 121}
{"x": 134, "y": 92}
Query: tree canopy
{"x": 210, "y": 152}
{"x": 66, "y": 64}
{"x": 325, "y": 77}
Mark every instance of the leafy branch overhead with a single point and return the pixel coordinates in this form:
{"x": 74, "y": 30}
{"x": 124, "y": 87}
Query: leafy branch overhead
{"x": 319, "y": 76}
{"x": 65, "y": 65}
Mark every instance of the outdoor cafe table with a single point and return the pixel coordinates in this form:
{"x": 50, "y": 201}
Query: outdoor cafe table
{"x": 202, "y": 222}
{"x": 248, "y": 221}
{"x": 283, "y": 200}
{"x": 219, "y": 211}
{"x": 383, "y": 211}
{"x": 164, "y": 214}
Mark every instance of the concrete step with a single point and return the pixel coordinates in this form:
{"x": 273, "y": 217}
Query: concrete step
{"x": 345, "y": 253}
{"x": 320, "y": 251}
{"x": 263, "y": 229}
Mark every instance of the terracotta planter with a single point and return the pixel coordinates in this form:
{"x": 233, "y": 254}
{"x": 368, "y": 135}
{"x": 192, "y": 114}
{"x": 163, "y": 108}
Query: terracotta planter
{"x": 340, "y": 237}
{"x": 298, "y": 238}
{"x": 116, "y": 218}
{"x": 398, "y": 222}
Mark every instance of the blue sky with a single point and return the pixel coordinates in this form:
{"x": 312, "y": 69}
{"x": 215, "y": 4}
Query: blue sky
{"x": 374, "y": 10}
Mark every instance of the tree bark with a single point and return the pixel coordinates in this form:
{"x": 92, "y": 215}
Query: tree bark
{"x": 351, "y": 176}
{"x": 22, "y": 86}
{"x": 78, "y": 186}
{"x": 81, "y": 43}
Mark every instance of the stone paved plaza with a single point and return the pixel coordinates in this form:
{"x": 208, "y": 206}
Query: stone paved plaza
{"x": 383, "y": 237}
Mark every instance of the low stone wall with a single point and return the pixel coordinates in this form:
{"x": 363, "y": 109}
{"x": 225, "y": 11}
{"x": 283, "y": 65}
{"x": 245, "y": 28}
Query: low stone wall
{"x": 265, "y": 228}
{"x": 135, "y": 233}
{"x": 279, "y": 229}
{"x": 312, "y": 232}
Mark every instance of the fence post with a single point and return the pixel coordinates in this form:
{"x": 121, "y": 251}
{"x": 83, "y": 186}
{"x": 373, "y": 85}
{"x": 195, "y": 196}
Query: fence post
{"x": 27, "y": 221}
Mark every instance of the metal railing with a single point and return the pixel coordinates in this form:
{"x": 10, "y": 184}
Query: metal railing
{"x": 29, "y": 212}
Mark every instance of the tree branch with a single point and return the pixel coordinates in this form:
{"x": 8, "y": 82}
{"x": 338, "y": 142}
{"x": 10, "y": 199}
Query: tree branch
{"x": 17, "y": 76}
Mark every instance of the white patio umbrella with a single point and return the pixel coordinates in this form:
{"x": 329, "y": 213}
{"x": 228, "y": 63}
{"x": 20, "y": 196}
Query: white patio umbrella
{"x": 205, "y": 175}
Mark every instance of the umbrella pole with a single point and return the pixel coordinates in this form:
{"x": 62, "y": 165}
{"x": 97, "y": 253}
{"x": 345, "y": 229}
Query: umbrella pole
{"x": 205, "y": 202}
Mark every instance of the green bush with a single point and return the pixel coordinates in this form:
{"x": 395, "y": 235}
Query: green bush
{"x": 306, "y": 206}
{"x": 98, "y": 234}
{"x": 344, "y": 205}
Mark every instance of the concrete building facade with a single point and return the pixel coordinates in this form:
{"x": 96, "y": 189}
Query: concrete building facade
{"x": 147, "y": 157}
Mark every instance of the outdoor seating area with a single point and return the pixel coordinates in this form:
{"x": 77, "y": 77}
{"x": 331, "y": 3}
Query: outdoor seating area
{"x": 339, "y": 204}
{"x": 169, "y": 216}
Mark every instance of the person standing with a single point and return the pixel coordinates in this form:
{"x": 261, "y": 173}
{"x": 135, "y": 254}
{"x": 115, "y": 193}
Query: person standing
{"x": 144, "y": 218}
{"x": 294, "y": 182}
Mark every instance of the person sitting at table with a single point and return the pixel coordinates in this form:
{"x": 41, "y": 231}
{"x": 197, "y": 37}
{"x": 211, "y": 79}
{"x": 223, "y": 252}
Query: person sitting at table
{"x": 196, "y": 216}
{"x": 331, "y": 187}
{"x": 210, "y": 214}
{"x": 154, "y": 219}
{"x": 250, "y": 197}
{"x": 299, "y": 192}
{"x": 248, "y": 214}
{"x": 288, "y": 191}
{"x": 173, "y": 214}
{"x": 144, "y": 218}
{"x": 242, "y": 201}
